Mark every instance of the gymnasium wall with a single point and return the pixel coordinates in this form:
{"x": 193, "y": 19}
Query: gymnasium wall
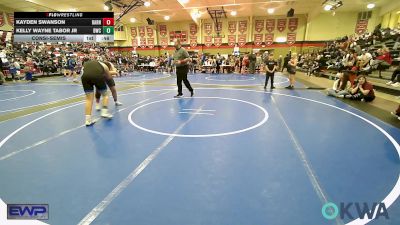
{"x": 325, "y": 26}
{"x": 309, "y": 36}
{"x": 204, "y": 36}
{"x": 391, "y": 19}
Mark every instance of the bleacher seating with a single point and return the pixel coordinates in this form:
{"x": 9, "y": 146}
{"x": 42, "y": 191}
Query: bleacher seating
{"x": 380, "y": 75}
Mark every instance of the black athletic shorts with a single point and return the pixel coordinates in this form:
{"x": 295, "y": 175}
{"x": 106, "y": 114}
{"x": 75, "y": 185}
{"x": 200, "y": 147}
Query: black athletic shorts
{"x": 89, "y": 82}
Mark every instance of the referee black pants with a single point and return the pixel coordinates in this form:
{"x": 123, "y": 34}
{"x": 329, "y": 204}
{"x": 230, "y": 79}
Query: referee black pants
{"x": 181, "y": 75}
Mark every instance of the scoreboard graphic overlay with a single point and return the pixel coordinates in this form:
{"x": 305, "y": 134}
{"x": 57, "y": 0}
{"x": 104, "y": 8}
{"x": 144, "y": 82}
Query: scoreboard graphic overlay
{"x": 63, "y": 27}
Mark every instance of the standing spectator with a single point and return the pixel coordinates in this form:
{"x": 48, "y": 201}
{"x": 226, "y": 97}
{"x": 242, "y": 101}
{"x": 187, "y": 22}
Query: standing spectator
{"x": 71, "y": 63}
{"x": 270, "y": 67}
{"x": 28, "y": 69}
{"x": 237, "y": 64}
{"x": 285, "y": 62}
{"x": 291, "y": 68}
{"x": 258, "y": 62}
{"x": 245, "y": 64}
{"x": 236, "y": 50}
{"x": 203, "y": 59}
{"x": 218, "y": 56}
{"x": 252, "y": 63}
{"x": 218, "y": 62}
{"x": 241, "y": 63}
{"x": 13, "y": 70}
{"x": 280, "y": 63}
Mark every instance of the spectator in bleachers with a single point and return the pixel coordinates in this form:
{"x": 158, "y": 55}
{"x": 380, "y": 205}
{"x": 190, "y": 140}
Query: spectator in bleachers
{"x": 383, "y": 60}
{"x": 395, "y": 77}
{"x": 364, "y": 61}
{"x": 349, "y": 60}
{"x": 313, "y": 67}
{"x": 361, "y": 91}
{"x": 341, "y": 86}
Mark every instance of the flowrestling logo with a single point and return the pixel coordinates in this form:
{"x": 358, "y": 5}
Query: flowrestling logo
{"x": 352, "y": 210}
{"x": 28, "y": 211}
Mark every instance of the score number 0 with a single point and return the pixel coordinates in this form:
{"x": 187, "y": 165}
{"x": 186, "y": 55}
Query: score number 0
{"x": 108, "y": 21}
{"x": 108, "y": 25}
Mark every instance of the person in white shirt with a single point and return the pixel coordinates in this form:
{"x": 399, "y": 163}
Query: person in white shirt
{"x": 236, "y": 50}
{"x": 365, "y": 60}
{"x": 341, "y": 86}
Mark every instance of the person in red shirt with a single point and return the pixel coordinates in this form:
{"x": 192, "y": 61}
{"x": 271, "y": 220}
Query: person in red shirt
{"x": 361, "y": 91}
{"x": 29, "y": 70}
{"x": 245, "y": 64}
{"x": 383, "y": 60}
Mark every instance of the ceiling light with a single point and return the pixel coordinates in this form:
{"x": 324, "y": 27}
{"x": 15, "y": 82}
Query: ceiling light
{"x": 166, "y": 17}
{"x": 271, "y": 10}
{"x": 233, "y": 13}
{"x": 108, "y": 6}
{"x": 147, "y": 3}
{"x": 196, "y": 14}
{"x": 328, "y": 7}
{"x": 332, "y": 4}
{"x": 133, "y": 20}
{"x": 371, "y": 6}
{"x": 184, "y": 1}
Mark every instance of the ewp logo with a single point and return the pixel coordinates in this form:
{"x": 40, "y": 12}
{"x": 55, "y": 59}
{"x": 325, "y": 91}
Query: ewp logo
{"x": 28, "y": 211}
{"x": 330, "y": 210}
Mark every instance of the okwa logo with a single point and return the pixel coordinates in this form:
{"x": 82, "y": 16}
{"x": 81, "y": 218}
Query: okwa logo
{"x": 348, "y": 210}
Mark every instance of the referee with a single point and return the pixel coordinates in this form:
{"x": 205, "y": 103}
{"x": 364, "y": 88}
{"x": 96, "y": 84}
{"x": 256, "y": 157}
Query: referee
{"x": 181, "y": 59}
